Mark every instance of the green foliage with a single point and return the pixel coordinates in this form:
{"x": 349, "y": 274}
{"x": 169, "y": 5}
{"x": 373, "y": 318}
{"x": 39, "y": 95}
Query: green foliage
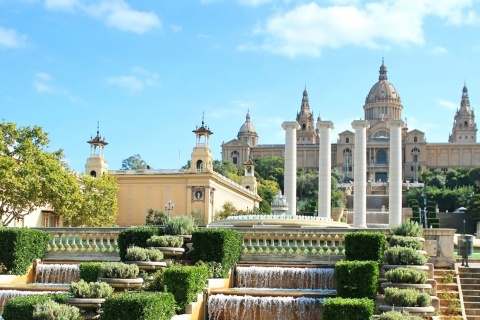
{"x": 51, "y": 310}
{"x": 271, "y": 168}
{"x": 405, "y": 241}
{"x": 21, "y": 307}
{"x": 156, "y": 218}
{"x": 83, "y": 289}
{"x": 20, "y": 247}
{"x": 406, "y": 275}
{"x": 267, "y": 189}
{"x": 90, "y": 271}
{"x": 155, "y": 281}
{"x": 181, "y": 225}
{"x": 139, "y": 306}
{"x": 404, "y": 256}
{"x": 447, "y": 199}
{"x": 165, "y": 241}
{"x": 215, "y": 269}
{"x": 408, "y": 228}
{"x": 218, "y": 245}
{"x": 142, "y": 254}
{"x": 406, "y": 298}
{"x": 357, "y": 279}
{"x": 135, "y": 236}
{"x": 397, "y": 315}
{"x": 365, "y": 245}
{"x": 228, "y": 169}
{"x": 347, "y": 309}
{"x": 184, "y": 282}
{"x": 134, "y": 162}
{"x": 473, "y": 207}
{"x": 119, "y": 270}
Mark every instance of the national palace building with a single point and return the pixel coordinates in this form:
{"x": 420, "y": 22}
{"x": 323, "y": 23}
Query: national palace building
{"x": 382, "y": 103}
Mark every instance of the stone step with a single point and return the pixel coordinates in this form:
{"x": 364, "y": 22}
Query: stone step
{"x": 469, "y": 281}
{"x": 473, "y": 292}
{"x": 471, "y": 298}
{"x": 471, "y": 305}
{"x": 472, "y": 312}
{"x": 463, "y": 270}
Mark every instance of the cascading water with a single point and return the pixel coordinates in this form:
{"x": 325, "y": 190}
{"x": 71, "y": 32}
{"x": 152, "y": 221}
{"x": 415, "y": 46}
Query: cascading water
{"x": 56, "y": 273}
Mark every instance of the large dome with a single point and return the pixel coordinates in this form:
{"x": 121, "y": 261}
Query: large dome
{"x": 247, "y": 127}
{"x": 383, "y": 90}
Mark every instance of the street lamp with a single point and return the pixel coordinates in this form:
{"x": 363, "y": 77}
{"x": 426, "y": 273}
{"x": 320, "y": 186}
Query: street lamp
{"x": 169, "y": 207}
{"x": 415, "y": 160}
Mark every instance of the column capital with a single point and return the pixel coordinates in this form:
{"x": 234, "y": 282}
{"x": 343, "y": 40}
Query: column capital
{"x": 395, "y": 123}
{"x": 290, "y": 125}
{"x": 359, "y": 124}
{"x": 325, "y": 124}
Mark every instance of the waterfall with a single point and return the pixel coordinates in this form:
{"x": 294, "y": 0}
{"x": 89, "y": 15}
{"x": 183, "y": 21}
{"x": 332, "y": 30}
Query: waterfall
{"x": 56, "y": 273}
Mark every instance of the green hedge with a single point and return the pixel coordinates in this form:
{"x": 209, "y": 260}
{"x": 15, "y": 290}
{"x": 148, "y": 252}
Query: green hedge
{"x": 347, "y": 309}
{"x": 139, "y": 306}
{"x": 404, "y": 256}
{"x": 405, "y": 241}
{"x": 357, "y": 279}
{"x": 365, "y": 246}
{"x": 20, "y": 247}
{"x": 136, "y": 236}
{"x": 21, "y": 308}
{"x": 184, "y": 282}
{"x": 90, "y": 271}
{"x": 217, "y": 245}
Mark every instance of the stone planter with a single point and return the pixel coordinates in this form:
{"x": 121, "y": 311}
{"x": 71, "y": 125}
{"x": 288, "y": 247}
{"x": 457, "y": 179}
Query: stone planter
{"x": 90, "y": 308}
{"x": 148, "y": 265}
{"x": 425, "y": 268}
{"x": 120, "y": 284}
{"x": 170, "y": 252}
{"x": 414, "y": 310}
{"x": 419, "y": 287}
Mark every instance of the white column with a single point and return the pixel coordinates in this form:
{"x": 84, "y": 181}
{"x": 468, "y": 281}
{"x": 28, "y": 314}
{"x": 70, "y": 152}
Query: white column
{"x": 324, "y": 169}
{"x": 290, "y": 180}
{"x": 360, "y": 174}
{"x": 395, "y": 173}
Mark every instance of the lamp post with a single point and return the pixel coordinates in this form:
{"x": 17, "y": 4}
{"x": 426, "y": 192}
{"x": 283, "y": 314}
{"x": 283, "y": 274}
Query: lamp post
{"x": 169, "y": 207}
{"x": 415, "y": 160}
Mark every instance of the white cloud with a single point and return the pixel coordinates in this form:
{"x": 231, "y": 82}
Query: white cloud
{"x": 437, "y": 50}
{"x": 447, "y": 104}
{"x": 43, "y": 83}
{"x": 136, "y": 81}
{"x": 254, "y": 3}
{"x": 66, "y": 5}
{"x": 9, "y": 38}
{"x": 308, "y": 28}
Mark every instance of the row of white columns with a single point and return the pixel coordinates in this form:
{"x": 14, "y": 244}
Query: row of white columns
{"x": 359, "y": 172}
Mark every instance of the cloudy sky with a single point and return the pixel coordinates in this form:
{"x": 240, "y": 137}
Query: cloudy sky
{"x": 146, "y": 71}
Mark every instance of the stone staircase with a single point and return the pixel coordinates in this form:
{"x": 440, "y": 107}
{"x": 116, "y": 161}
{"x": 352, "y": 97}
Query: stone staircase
{"x": 447, "y": 291}
{"x": 470, "y": 284}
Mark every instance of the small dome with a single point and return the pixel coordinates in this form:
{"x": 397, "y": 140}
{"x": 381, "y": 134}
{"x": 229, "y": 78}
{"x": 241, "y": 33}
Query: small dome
{"x": 247, "y": 127}
{"x": 383, "y": 90}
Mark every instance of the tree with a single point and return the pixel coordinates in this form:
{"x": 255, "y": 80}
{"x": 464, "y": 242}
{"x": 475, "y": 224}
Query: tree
{"x": 267, "y": 189}
{"x": 271, "y": 168}
{"x": 134, "y": 162}
{"x": 30, "y": 176}
{"x": 473, "y": 207}
{"x": 228, "y": 169}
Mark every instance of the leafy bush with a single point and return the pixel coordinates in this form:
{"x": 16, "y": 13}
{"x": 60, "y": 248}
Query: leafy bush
{"x": 406, "y": 275}
{"x": 90, "y": 271}
{"x": 357, "y": 279}
{"x": 397, "y": 315}
{"x": 139, "y": 306}
{"x": 51, "y": 310}
{"x": 215, "y": 269}
{"x": 142, "y": 254}
{"x": 408, "y": 228}
{"x": 184, "y": 282}
{"x": 154, "y": 282}
{"x": 219, "y": 245}
{"x": 165, "y": 241}
{"x": 404, "y": 256}
{"x": 119, "y": 270}
{"x": 365, "y": 246}
{"x": 83, "y": 289}
{"x": 20, "y": 247}
{"x": 405, "y": 241}
{"x": 156, "y": 218}
{"x": 21, "y": 307}
{"x": 181, "y": 225}
{"x": 347, "y": 309}
{"x": 136, "y": 236}
{"x": 406, "y": 298}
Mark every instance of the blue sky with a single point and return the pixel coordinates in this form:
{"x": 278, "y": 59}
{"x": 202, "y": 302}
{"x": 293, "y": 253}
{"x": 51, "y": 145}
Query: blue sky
{"x": 147, "y": 70}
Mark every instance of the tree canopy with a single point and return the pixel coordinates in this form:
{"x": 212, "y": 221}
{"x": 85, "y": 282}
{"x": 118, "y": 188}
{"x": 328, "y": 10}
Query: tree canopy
{"x": 134, "y": 162}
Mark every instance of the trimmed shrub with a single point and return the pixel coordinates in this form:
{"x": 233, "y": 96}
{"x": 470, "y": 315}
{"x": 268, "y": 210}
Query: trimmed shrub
{"x": 21, "y": 308}
{"x": 406, "y": 298}
{"x": 83, "y": 289}
{"x": 217, "y": 245}
{"x": 119, "y": 270}
{"x": 155, "y": 281}
{"x": 142, "y": 254}
{"x": 357, "y": 279}
{"x": 184, "y": 282}
{"x": 404, "y": 256}
{"x": 215, "y": 269}
{"x": 165, "y": 241}
{"x": 347, "y": 309}
{"x": 20, "y": 247}
{"x": 51, "y": 310}
{"x": 408, "y": 228}
{"x": 405, "y": 241}
{"x": 90, "y": 271}
{"x": 139, "y": 306}
{"x": 365, "y": 246}
{"x": 406, "y": 275}
{"x": 181, "y": 225}
{"x": 136, "y": 236}
{"x": 397, "y": 315}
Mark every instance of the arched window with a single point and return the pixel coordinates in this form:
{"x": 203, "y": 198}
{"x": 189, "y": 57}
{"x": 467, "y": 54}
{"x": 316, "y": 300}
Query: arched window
{"x": 415, "y": 153}
{"x": 381, "y": 156}
{"x": 199, "y": 166}
{"x": 303, "y": 126}
{"x": 465, "y": 124}
{"x": 381, "y": 135}
{"x": 235, "y": 155}
{"x": 347, "y": 140}
{"x": 93, "y": 173}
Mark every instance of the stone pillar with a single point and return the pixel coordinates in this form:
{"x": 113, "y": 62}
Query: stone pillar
{"x": 360, "y": 174}
{"x": 290, "y": 180}
{"x": 395, "y": 173}
{"x": 324, "y": 169}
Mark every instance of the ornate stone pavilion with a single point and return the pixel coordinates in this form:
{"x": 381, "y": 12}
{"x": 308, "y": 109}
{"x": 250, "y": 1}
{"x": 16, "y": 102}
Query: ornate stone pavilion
{"x": 382, "y": 104}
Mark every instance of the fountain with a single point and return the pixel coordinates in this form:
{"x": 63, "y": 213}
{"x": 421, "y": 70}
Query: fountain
{"x": 56, "y": 273}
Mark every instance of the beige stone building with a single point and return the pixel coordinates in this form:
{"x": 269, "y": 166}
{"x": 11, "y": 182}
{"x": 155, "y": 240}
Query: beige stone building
{"x": 197, "y": 190}
{"x": 382, "y": 103}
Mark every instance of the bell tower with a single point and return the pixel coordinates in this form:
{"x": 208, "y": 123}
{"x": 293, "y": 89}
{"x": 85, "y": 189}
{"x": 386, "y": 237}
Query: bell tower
{"x": 202, "y": 159}
{"x": 464, "y": 127}
{"x": 96, "y": 164}
{"x": 249, "y": 181}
